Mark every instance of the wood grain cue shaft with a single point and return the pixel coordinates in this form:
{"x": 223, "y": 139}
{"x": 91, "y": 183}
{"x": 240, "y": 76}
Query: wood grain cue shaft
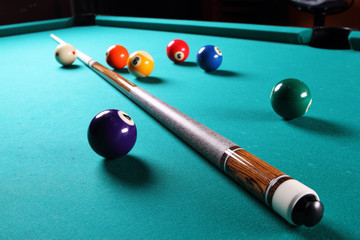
{"x": 292, "y": 200}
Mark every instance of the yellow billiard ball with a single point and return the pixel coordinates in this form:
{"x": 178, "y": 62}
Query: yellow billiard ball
{"x": 140, "y": 64}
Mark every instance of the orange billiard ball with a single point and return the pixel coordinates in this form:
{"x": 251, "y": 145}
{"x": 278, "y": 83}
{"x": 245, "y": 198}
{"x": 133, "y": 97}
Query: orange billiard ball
{"x": 117, "y": 56}
{"x": 140, "y": 64}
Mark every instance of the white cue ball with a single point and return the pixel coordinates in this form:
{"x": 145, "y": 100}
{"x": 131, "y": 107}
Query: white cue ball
{"x": 65, "y": 54}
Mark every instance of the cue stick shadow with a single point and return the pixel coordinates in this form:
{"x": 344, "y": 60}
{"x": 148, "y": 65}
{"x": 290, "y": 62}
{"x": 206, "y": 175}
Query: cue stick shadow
{"x": 324, "y": 230}
{"x": 129, "y": 170}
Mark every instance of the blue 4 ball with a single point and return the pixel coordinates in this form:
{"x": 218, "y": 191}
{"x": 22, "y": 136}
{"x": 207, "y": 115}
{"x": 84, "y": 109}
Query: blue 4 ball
{"x": 112, "y": 133}
{"x": 209, "y": 58}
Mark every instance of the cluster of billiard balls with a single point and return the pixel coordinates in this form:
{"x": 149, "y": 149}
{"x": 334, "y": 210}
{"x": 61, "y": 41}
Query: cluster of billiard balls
{"x": 112, "y": 133}
{"x": 139, "y": 63}
{"x": 208, "y": 57}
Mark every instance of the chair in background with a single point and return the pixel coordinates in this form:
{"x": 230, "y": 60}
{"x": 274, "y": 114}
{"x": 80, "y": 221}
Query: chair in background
{"x": 326, "y": 37}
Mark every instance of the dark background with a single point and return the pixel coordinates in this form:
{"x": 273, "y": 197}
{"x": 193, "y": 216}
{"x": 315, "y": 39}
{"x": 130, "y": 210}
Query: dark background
{"x": 271, "y": 12}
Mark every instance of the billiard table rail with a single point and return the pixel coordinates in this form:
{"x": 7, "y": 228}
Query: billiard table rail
{"x": 281, "y": 34}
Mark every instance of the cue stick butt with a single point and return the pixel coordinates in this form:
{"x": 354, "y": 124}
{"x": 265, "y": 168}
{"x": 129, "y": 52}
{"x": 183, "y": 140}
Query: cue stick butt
{"x": 308, "y": 211}
{"x": 295, "y": 202}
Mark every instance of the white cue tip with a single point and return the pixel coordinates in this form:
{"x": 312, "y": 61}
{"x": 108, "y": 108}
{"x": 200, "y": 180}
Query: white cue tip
{"x": 59, "y": 40}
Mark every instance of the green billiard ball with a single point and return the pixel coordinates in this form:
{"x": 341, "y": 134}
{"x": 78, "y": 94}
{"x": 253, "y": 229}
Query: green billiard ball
{"x": 290, "y": 98}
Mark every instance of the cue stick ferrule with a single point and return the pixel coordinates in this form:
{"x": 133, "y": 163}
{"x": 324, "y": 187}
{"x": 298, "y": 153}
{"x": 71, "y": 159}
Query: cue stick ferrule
{"x": 85, "y": 58}
{"x": 295, "y": 202}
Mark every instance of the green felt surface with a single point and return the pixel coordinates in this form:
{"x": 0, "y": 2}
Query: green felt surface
{"x": 53, "y": 186}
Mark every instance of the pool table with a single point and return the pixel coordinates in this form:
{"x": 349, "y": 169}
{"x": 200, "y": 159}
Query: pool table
{"x": 53, "y": 186}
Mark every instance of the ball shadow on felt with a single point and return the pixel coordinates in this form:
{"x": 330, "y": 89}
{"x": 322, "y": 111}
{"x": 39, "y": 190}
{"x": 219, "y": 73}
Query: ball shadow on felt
{"x": 69, "y": 67}
{"x": 121, "y": 71}
{"x": 321, "y": 126}
{"x": 151, "y": 80}
{"x": 186, "y": 64}
{"x": 222, "y": 73}
{"x": 129, "y": 170}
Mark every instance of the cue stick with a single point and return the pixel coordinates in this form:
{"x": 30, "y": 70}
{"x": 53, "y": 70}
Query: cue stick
{"x": 292, "y": 200}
